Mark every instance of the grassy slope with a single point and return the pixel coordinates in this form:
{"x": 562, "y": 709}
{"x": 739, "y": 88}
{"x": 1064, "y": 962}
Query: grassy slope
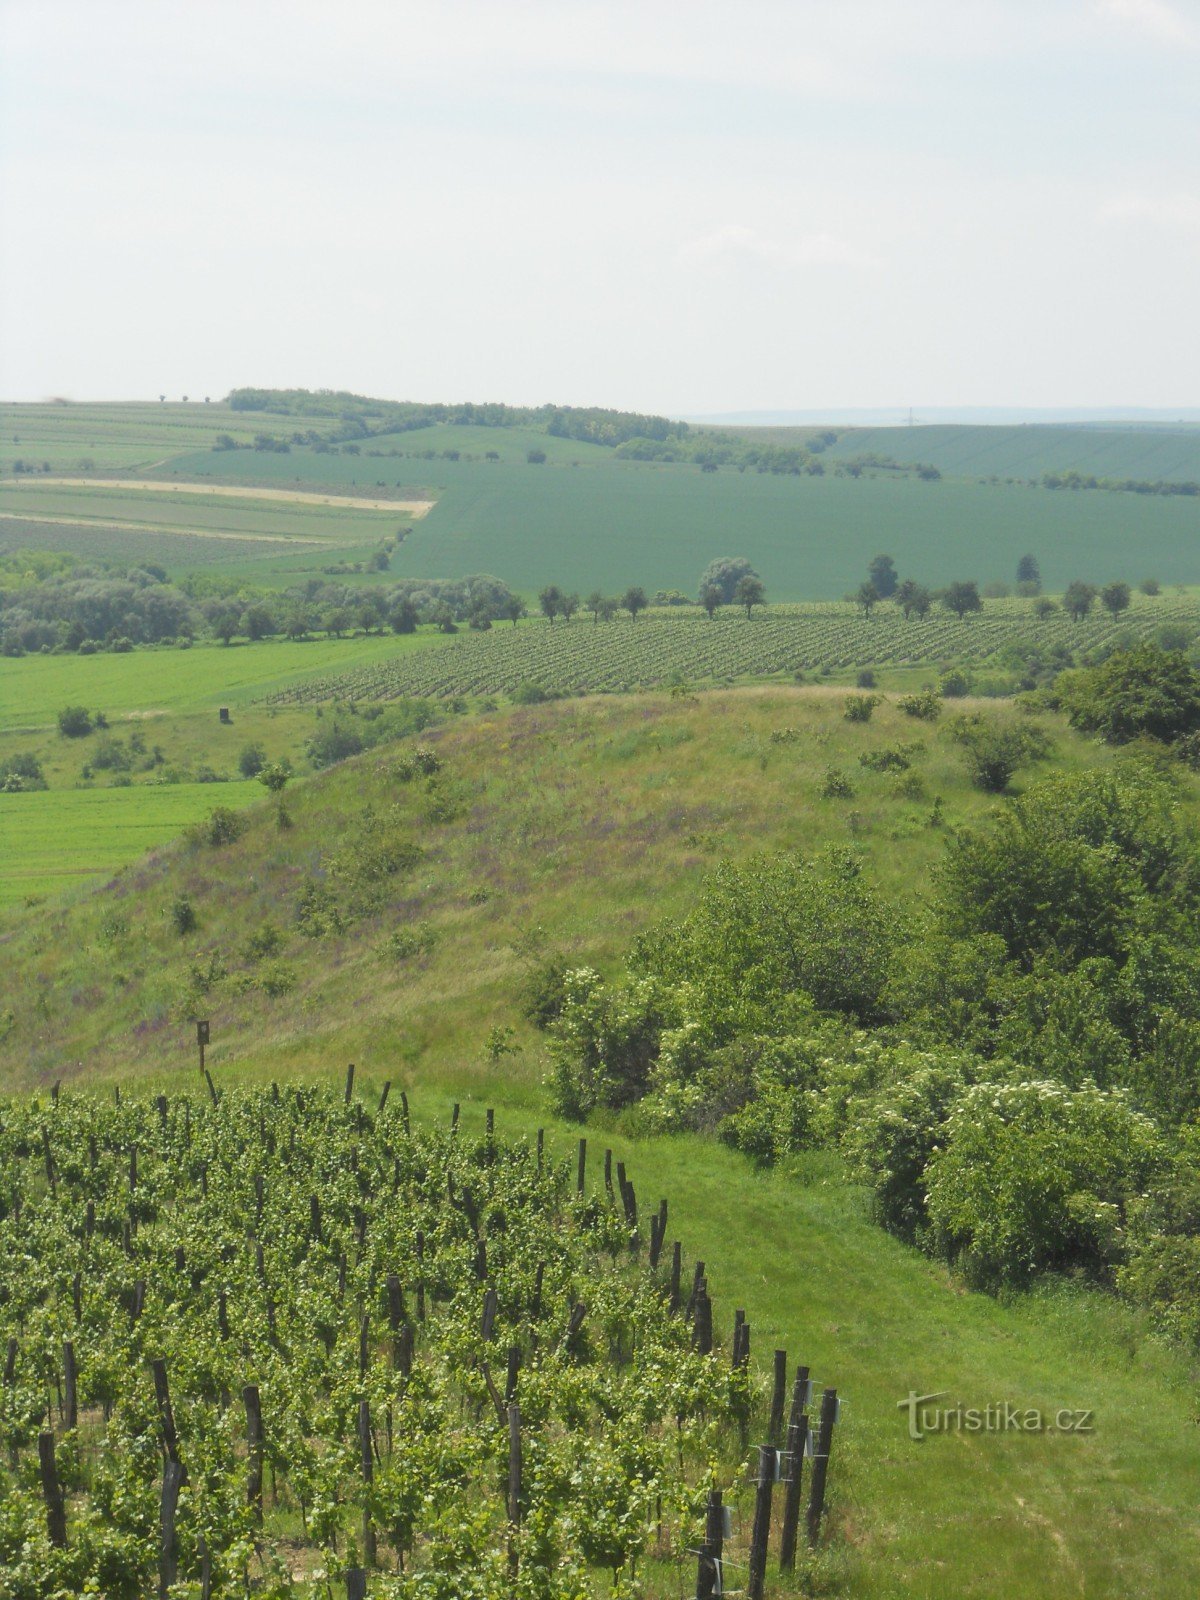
{"x": 589, "y": 819}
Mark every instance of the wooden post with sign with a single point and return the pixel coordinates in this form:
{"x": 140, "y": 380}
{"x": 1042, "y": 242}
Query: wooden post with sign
{"x": 202, "y": 1040}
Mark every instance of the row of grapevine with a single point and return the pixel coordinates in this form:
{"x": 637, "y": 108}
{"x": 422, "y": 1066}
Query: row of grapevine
{"x": 274, "y": 1336}
{"x": 624, "y": 655}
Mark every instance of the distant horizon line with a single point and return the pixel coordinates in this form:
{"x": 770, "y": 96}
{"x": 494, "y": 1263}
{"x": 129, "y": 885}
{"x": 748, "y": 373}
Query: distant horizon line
{"x": 896, "y": 416}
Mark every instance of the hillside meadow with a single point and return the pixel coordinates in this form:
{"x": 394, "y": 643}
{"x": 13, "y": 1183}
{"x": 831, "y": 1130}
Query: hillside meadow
{"x": 570, "y": 828}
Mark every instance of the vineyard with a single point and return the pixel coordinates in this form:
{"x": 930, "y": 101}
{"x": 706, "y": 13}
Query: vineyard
{"x": 272, "y": 1340}
{"x": 657, "y": 649}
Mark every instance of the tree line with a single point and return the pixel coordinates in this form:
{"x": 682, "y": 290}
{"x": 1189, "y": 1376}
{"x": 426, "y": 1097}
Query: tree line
{"x": 963, "y": 598}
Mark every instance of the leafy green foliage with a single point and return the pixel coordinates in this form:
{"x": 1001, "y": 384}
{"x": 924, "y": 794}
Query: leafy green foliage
{"x": 250, "y": 1242}
{"x": 1143, "y": 692}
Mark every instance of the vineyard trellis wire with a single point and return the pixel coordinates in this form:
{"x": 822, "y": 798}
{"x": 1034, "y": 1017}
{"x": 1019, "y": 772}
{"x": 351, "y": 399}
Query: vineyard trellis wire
{"x": 275, "y": 1335}
{"x": 622, "y": 655}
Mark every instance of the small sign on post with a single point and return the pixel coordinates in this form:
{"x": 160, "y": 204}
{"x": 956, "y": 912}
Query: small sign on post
{"x": 202, "y": 1040}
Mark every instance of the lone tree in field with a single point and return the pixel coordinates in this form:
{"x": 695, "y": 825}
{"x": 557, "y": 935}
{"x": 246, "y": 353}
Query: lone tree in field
{"x": 1115, "y": 598}
{"x": 867, "y": 597}
{"x": 595, "y": 604}
{"x": 634, "y": 600}
{"x": 962, "y": 598}
{"x": 75, "y": 722}
{"x": 1029, "y": 576}
{"x": 750, "y": 593}
{"x": 882, "y": 573}
{"x": 725, "y": 573}
{"x": 568, "y": 606}
{"x": 550, "y": 600}
{"x": 512, "y": 607}
{"x": 1079, "y": 599}
{"x": 710, "y": 598}
{"x": 913, "y": 599}
{"x": 225, "y": 625}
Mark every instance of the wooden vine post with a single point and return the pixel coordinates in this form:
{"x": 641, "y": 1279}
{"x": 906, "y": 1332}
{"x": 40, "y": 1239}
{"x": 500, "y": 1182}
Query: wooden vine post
{"x": 708, "y": 1567}
{"x": 254, "y": 1442}
{"x": 56, "y": 1509}
{"x": 514, "y": 1485}
{"x": 820, "y": 1466}
{"x": 760, "y": 1532}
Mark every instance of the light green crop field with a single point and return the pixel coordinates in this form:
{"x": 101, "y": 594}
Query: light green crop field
{"x": 58, "y": 839}
{"x": 33, "y": 689}
{"x": 118, "y": 434}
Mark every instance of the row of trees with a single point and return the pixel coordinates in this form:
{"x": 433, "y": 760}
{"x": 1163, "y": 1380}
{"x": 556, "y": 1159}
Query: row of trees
{"x": 963, "y": 597}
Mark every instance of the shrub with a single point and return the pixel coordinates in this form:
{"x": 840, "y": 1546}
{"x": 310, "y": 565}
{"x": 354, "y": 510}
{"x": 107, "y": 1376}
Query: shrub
{"x": 1033, "y": 1176}
{"x": 317, "y": 913}
{"x": 837, "y": 785}
{"x": 954, "y": 684}
{"x": 75, "y": 722}
{"x": 897, "y": 758}
{"x": 604, "y": 1042}
{"x": 183, "y": 915}
{"x": 109, "y": 755}
{"x": 529, "y": 694}
{"x": 994, "y": 750}
{"x": 414, "y": 939}
{"x": 265, "y": 941}
{"x": 925, "y": 706}
{"x": 1135, "y": 693}
{"x": 858, "y": 707}
{"x": 252, "y": 760}
{"x": 892, "y": 1128}
{"x": 420, "y": 761}
{"x": 866, "y": 679}
{"x": 222, "y": 826}
{"x": 543, "y": 991}
{"x": 21, "y": 771}
{"x": 277, "y": 978}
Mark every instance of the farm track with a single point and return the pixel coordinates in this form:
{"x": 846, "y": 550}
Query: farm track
{"x": 411, "y": 508}
{"x": 621, "y": 656}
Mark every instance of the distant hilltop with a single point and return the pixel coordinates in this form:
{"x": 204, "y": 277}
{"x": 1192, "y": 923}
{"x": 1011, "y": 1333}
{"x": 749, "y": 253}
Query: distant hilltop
{"x": 905, "y": 416}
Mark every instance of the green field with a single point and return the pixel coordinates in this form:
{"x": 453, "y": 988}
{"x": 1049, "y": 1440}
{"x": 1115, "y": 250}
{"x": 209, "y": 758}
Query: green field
{"x": 1146, "y": 453}
{"x": 33, "y": 689}
{"x": 586, "y": 518}
{"x": 684, "y": 646}
{"x": 590, "y": 820}
{"x": 56, "y": 840}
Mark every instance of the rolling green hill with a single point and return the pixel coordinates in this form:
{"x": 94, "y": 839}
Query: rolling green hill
{"x": 569, "y": 828}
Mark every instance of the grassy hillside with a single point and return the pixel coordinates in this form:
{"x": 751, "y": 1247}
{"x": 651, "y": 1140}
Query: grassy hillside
{"x": 569, "y": 828}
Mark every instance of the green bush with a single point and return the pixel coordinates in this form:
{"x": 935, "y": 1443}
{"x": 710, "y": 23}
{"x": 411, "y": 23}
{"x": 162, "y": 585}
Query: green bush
{"x": 1141, "y": 692}
{"x": 252, "y": 760}
{"x": 75, "y": 722}
{"x": 1033, "y": 1176}
{"x": 222, "y": 826}
{"x": 605, "y": 1041}
{"x": 925, "y": 706}
{"x": 183, "y": 915}
{"x": 859, "y": 707}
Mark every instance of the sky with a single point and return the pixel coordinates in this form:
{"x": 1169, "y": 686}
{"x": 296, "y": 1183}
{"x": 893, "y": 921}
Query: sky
{"x": 687, "y": 208}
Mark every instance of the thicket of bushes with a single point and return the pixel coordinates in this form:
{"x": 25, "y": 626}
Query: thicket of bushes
{"x": 1015, "y": 1072}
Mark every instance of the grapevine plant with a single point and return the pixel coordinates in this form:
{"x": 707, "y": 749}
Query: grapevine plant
{"x": 384, "y": 1294}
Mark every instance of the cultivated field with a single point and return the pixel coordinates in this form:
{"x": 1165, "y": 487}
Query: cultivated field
{"x": 147, "y": 682}
{"x": 54, "y": 840}
{"x": 664, "y": 647}
{"x": 586, "y": 518}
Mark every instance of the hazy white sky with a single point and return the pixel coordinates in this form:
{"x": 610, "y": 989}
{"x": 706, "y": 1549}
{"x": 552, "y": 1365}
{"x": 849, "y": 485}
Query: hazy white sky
{"x": 690, "y": 207}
